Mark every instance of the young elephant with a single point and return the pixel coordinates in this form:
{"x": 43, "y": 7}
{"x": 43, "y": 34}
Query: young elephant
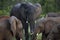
{"x": 45, "y": 25}
{"x": 9, "y": 25}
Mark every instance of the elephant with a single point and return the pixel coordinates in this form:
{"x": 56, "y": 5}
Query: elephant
{"x": 27, "y": 13}
{"x": 10, "y": 27}
{"x": 54, "y": 33}
{"x": 53, "y": 14}
{"x": 5, "y": 33}
{"x": 44, "y": 26}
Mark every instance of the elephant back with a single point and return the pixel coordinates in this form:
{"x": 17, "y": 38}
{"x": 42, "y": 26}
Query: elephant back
{"x": 53, "y": 14}
{"x": 3, "y": 18}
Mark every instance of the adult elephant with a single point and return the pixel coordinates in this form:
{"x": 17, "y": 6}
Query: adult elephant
{"x": 45, "y": 25}
{"x": 10, "y": 27}
{"x": 27, "y": 13}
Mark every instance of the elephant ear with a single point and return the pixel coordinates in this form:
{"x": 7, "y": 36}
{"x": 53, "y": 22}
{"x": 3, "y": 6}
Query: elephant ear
{"x": 16, "y": 24}
{"x": 13, "y": 24}
{"x": 19, "y": 28}
{"x": 38, "y": 8}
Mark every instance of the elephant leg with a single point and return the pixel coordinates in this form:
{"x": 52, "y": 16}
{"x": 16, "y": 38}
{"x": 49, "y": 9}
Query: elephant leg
{"x": 25, "y": 26}
{"x": 43, "y": 36}
{"x": 32, "y": 25}
{"x": 34, "y": 37}
{"x": 26, "y": 31}
{"x": 17, "y": 37}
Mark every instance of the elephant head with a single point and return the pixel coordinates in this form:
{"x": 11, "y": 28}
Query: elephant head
{"x": 45, "y": 25}
{"x": 38, "y": 8}
{"x": 35, "y": 11}
{"x": 16, "y": 26}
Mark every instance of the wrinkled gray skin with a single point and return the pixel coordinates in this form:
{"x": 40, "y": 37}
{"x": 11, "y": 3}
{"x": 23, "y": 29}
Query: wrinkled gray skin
{"x": 53, "y": 14}
{"x": 45, "y": 25}
{"x": 27, "y": 12}
{"x": 10, "y": 27}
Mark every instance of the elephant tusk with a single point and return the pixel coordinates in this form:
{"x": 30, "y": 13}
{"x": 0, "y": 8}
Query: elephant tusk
{"x": 26, "y": 21}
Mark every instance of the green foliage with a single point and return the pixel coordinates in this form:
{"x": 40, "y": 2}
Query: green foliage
{"x": 58, "y": 4}
{"x": 39, "y": 36}
{"x": 3, "y": 12}
{"x": 47, "y": 5}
